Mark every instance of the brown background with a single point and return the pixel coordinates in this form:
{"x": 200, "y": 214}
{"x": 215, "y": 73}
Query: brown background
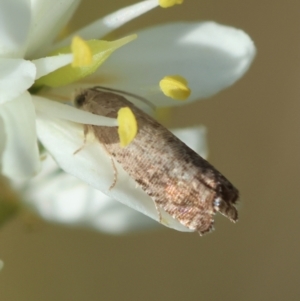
{"x": 254, "y": 139}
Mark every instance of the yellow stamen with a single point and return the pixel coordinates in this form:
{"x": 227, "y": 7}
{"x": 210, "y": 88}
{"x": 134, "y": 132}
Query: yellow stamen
{"x": 82, "y": 53}
{"x": 175, "y": 86}
{"x": 127, "y": 126}
{"x": 169, "y": 3}
{"x": 66, "y": 75}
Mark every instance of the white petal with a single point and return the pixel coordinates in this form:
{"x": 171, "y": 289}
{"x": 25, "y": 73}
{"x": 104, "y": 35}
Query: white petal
{"x": 210, "y": 56}
{"x": 49, "y": 17}
{"x": 20, "y": 158}
{"x": 49, "y": 64}
{"x": 63, "y": 111}
{"x": 62, "y": 198}
{"x": 16, "y": 76}
{"x": 103, "y": 26}
{"x": 194, "y": 137}
{"x": 15, "y": 18}
{"x": 93, "y": 166}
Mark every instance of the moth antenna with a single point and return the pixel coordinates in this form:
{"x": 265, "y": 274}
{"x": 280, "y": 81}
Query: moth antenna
{"x": 142, "y": 99}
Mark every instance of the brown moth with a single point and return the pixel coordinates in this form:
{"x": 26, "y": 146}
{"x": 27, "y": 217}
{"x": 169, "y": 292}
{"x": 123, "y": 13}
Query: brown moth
{"x": 177, "y": 179}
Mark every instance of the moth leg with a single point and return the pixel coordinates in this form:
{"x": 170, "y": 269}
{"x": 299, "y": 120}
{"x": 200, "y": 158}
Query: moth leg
{"x": 158, "y": 212}
{"x": 114, "y": 167}
{"x": 85, "y": 132}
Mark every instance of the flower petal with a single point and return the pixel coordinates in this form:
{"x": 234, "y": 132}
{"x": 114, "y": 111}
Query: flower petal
{"x": 20, "y": 158}
{"x": 49, "y": 17}
{"x": 62, "y": 198}
{"x": 102, "y": 27}
{"x": 13, "y": 37}
{"x": 210, "y": 56}
{"x": 16, "y": 76}
{"x": 49, "y": 64}
{"x": 94, "y": 166}
{"x": 63, "y": 111}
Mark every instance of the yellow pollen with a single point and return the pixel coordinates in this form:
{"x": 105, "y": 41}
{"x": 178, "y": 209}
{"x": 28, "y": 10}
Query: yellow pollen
{"x": 127, "y": 126}
{"x": 169, "y": 3}
{"x": 82, "y": 53}
{"x": 175, "y": 86}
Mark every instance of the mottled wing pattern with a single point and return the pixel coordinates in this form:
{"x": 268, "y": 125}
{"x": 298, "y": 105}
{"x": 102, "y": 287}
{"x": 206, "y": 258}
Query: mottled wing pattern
{"x": 178, "y": 180}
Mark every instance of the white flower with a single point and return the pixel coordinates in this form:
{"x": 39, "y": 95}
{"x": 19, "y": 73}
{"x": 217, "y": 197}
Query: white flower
{"x": 25, "y": 29}
{"x": 210, "y": 56}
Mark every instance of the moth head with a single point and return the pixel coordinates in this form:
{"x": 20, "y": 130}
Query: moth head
{"x": 80, "y": 99}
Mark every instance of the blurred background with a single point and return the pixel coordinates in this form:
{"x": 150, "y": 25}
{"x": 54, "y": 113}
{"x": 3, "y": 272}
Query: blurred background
{"x": 253, "y": 136}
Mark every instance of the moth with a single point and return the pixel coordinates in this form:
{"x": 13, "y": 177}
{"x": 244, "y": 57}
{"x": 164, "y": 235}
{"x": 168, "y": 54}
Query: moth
{"x": 178, "y": 180}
